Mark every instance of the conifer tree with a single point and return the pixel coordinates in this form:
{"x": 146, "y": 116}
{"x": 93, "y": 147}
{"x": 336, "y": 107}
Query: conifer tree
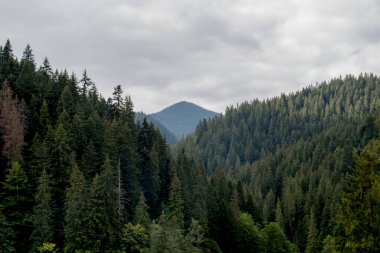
{"x": 141, "y": 212}
{"x": 25, "y": 85}
{"x": 312, "y": 235}
{"x": 105, "y": 220}
{"x": 168, "y": 233}
{"x": 358, "y": 221}
{"x": 15, "y": 203}
{"x": 42, "y": 213}
{"x": 274, "y": 239}
{"x": 78, "y": 236}
{"x": 86, "y": 81}
{"x": 6, "y": 235}
{"x": 175, "y": 204}
{"x": 195, "y": 237}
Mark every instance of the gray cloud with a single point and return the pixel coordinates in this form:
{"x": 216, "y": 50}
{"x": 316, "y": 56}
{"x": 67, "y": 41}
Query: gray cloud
{"x": 214, "y": 53}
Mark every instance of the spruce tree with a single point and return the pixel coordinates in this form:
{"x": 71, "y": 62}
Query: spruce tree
{"x": 312, "y": 235}
{"x": 15, "y": 203}
{"x": 42, "y": 213}
{"x": 105, "y": 219}
{"x": 175, "y": 204}
{"x": 358, "y": 221}
{"x": 141, "y": 212}
{"x": 78, "y": 236}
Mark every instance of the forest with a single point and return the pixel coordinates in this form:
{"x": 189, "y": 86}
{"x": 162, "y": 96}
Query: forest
{"x": 80, "y": 173}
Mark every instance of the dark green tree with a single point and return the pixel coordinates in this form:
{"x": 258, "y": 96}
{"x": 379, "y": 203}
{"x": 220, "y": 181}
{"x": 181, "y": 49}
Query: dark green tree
{"x": 312, "y": 236}
{"x": 141, "y": 212}
{"x": 6, "y": 236}
{"x": 104, "y": 196}
{"x": 358, "y": 221}
{"x": 78, "y": 236}
{"x": 42, "y": 216}
{"x": 15, "y": 204}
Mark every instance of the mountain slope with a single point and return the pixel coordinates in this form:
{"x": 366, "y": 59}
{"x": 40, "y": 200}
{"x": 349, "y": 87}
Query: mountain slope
{"x": 182, "y": 118}
{"x": 292, "y": 154}
{"x": 169, "y": 136}
{"x": 258, "y": 128}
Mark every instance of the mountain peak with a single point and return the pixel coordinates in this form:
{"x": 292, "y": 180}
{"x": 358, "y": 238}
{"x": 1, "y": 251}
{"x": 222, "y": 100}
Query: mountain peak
{"x": 182, "y": 118}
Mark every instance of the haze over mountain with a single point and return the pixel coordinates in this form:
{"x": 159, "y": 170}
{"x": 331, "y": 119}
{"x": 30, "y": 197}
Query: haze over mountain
{"x": 182, "y": 118}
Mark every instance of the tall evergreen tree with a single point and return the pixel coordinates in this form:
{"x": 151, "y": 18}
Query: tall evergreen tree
{"x": 358, "y": 221}
{"x": 15, "y": 203}
{"x": 42, "y": 213}
{"x": 78, "y": 236}
{"x": 141, "y": 212}
{"x": 6, "y": 236}
{"x": 312, "y": 236}
{"x": 105, "y": 222}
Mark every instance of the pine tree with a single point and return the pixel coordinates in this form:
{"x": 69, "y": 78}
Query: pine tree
{"x": 312, "y": 236}
{"x": 274, "y": 239}
{"x": 15, "y": 203}
{"x": 279, "y": 216}
{"x": 6, "y": 236}
{"x": 77, "y": 233}
{"x": 104, "y": 206}
{"x": 86, "y": 81}
{"x": 247, "y": 235}
{"x": 169, "y": 230}
{"x": 195, "y": 237}
{"x": 135, "y": 239}
{"x": 141, "y": 212}
{"x": 358, "y": 221}
{"x": 25, "y": 84}
{"x": 90, "y": 161}
{"x": 175, "y": 204}
{"x": 42, "y": 213}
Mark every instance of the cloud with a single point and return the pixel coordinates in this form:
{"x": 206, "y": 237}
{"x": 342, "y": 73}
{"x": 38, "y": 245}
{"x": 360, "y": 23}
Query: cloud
{"x": 214, "y": 53}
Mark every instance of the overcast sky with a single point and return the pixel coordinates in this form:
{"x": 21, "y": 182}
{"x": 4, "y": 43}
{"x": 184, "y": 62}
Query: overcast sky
{"x": 211, "y": 52}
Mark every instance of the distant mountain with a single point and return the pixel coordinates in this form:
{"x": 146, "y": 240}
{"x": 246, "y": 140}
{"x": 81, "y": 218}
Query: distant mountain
{"x": 169, "y": 136}
{"x": 182, "y": 118}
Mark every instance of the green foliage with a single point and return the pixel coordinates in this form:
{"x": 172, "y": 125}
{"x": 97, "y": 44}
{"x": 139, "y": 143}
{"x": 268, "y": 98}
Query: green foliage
{"x": 47, "y": 247}
{"x": 358, "y": 222}
{"x": 104, "y": 214}
{"x": 248, "y": 234}
{"x": 141, "y": 212}
{"x": 274, "y": 239}
{"x": 328, "y": 245}
{"x": 78, "y": 234}
{"x": 14, "y": 201}
{"x": 284, "y": 159}
{"x": 252, "y": 130}
{"x": 195, "y": 237}
{"x": 175, "y": 205}
{"x": 42, "y": 213}
{"x": 7, "y": 236}
{"x": 312, "y": 236}
{"x": 135, "y": 239}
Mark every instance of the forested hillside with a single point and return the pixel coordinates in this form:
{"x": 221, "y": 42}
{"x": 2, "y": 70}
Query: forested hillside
{"x": 295, "y": 155}
{"x": 255, "y": 129}
{"x": 297, "y": 173}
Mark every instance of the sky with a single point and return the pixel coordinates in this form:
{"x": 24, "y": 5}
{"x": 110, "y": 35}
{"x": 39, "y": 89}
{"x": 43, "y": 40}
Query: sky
{"x": 214, "y": 53}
